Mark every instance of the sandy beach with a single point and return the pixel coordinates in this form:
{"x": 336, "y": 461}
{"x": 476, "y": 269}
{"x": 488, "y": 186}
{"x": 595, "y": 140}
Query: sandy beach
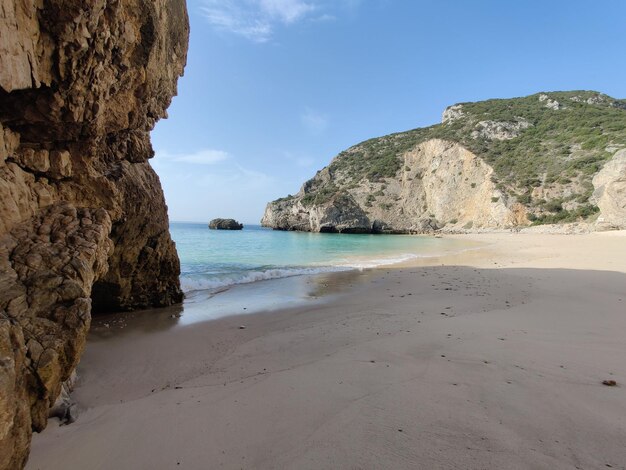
{"x": 488, "y": 359}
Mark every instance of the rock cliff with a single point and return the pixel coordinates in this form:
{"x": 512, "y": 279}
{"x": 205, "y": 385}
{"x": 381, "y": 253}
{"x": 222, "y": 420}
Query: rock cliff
{"x": 82, "y": 214}
{"x": 610, "y": 192}
{"x": 550, "y": 158}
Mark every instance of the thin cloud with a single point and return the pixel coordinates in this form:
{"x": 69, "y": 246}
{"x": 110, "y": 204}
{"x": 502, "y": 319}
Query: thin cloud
{"x": 255, "y": 19}
{"x": 197, "y": 192}
{"x": 235, "y": 176}
{"x": 201, "y": 157}
{"x": 287, "y": 11}
{"x": 324, "y": 18}
{"x": 314, "y": 121}
{"x": 303, "y": 161}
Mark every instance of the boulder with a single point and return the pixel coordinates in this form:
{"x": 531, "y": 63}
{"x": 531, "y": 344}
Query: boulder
{"x": 225, "y": 224}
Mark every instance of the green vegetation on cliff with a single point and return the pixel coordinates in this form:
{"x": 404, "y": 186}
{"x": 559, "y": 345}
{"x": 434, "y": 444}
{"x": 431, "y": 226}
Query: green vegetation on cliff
{"x": 554, "y": 142}
{"x": 566, "y": 142}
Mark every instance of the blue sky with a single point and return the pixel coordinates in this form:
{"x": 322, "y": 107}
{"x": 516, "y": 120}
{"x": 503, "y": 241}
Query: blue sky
{"x": 274, "y": 89}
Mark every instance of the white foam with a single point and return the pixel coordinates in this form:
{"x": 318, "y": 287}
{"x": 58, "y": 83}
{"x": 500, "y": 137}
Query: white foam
{"x": 377, "y": 262}
{"x": 189, "y": 284}
{"x": 217, "y": 284}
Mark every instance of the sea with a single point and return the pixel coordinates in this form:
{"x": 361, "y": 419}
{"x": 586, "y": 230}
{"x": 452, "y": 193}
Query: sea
{"x": 232, "y": 272}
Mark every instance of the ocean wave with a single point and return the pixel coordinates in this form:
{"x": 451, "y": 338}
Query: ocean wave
{"x": 219, "y": 282}
{"x": 377, "y": 262}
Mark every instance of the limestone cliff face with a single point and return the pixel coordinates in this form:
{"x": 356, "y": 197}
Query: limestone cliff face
{"x": 82, "y": 213}
{"x": 441, "y": 183}
{"x": 610, "y": 192}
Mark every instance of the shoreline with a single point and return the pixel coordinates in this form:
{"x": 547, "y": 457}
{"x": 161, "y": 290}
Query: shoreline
{"x": 490, "y": 358}
{"x": 299, "y": 286}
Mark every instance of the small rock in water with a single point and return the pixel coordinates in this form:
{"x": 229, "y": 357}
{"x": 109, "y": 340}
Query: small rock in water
{"x": 242, "y": 327}
{"x": 225, "y": 224}
{"x": 609, "y": 383}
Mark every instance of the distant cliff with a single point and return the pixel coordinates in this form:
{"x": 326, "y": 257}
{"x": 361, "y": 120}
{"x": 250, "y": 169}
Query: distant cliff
{"x": 82, "y": 213}
{"x": 549, "y": 158}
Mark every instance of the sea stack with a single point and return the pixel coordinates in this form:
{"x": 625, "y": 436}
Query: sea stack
{"x": 225, "y": 224}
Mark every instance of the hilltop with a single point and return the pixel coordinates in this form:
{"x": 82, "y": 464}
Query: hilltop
{"x": 548, "y": 158}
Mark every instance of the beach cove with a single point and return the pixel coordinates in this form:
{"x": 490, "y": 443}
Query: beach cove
{"x": 492, "y": 357}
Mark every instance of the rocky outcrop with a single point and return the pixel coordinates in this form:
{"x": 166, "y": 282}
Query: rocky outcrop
{"x": 594, "y": 99}
{"x": 452, "y": 113}
{"x": 550, "y": 103}
{"x": 610, "y": 192}
{"x": 82, "y": 214}
{"x": 225, "y": 224}
{"x": 490, "y": 165}
{"x": 442, "y": 184}
{"x": 340, "y": 214}
{"x": 500, "y": 130}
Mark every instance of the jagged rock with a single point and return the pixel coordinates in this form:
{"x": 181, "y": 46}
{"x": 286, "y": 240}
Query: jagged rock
{"x": 445, "y": 185}
{"x": 610, "y": 192}
{"x": 425, "y": 225}
{"x": 550, "y": 103}
{"x": 452, "y": 113}
{"x": 64, "y": 408}
{"x": 595, "y": 99}
{"x": 341, "y": 214}
{"x": 225, "y": 224}
{"x": 82, "y": 213}
{"x": 380, "y": 226}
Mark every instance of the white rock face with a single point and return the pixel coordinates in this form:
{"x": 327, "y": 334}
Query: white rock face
{"x": 500, "y": 130}
{"x": 550, "y": 103}
{"x": 449, "y": 182}
{"x": 610, "y": 192}
{"x": 597, "y": 99}
{"x": 452, "y": 113}
{"x": 441, "y": 184}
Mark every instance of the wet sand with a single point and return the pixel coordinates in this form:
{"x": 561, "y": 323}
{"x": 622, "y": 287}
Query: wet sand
{"x": 491, "y": 358}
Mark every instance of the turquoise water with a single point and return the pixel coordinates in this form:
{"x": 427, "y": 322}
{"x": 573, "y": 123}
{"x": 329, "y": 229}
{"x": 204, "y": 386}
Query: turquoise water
{"x": 214, "y": 260}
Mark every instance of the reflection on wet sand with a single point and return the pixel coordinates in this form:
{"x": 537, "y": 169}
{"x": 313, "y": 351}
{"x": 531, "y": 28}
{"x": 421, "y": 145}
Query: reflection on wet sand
{"x": 244, "y": 299}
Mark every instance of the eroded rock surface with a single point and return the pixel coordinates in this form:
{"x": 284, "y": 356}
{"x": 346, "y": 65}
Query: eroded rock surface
{"x": 452, "y": 113}
{"x": 610, "y": 192}
{"x": 442, "y": 183}
{"x": 82, "y": 213}
{"x": 225, "y": 224}
{"x": 550, "y": 103}
{"x": 501, "y": 164}
{"x": 500, "y": 130}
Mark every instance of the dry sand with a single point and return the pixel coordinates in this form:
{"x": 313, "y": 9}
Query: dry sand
{"x": 491, "y": 359}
